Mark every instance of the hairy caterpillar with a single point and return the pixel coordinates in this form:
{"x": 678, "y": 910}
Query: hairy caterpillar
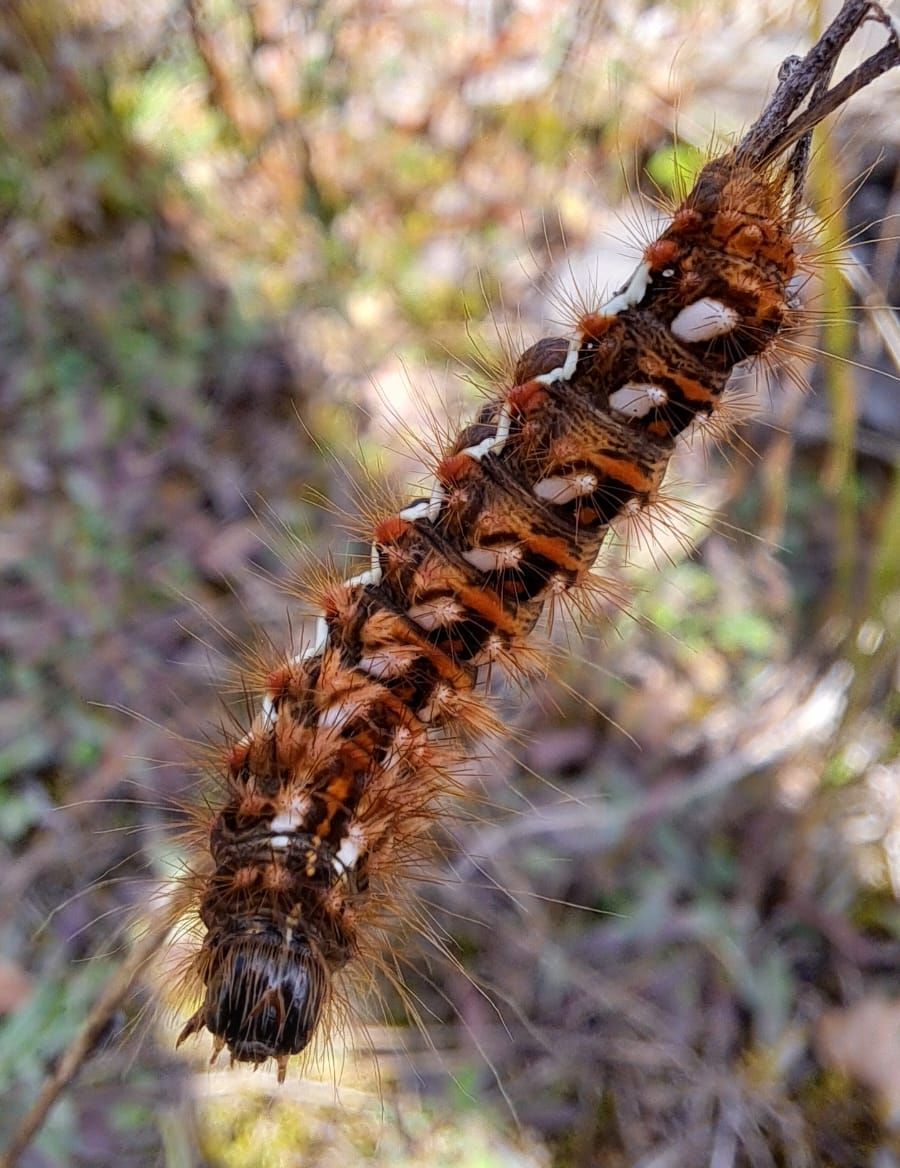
{"x": 365, "y": 901}
{"x": 333, "y": 783}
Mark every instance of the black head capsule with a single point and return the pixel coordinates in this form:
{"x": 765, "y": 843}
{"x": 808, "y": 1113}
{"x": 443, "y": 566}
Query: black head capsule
{"x": 266, "y": 990}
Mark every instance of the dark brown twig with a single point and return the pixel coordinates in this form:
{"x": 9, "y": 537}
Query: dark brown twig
{"x": 773, "y": 133}
{"x": 84, "y": 1042}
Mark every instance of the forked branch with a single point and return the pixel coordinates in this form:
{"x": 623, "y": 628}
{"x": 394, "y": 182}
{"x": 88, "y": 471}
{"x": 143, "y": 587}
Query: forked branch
{"x": 800, "y": 78}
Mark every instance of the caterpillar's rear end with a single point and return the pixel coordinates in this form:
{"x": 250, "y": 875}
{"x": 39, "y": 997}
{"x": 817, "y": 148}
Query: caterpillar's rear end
{"x": 329, "y": 792}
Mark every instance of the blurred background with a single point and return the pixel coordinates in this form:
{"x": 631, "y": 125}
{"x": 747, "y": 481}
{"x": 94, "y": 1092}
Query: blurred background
{"x": 250, "y": 251}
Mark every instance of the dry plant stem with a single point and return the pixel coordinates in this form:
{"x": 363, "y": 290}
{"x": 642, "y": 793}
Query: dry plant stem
{"x": 772, "y": 133}
{"x": 109, "y": 1001}
{"x": 840, "y": 480}
{"x": 885, "y": 59}
{"x": 884, "y": 573}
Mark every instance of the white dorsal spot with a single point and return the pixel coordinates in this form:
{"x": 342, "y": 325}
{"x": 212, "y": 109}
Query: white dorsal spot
{"x": 364, "y": 579}
{"x": 495, "y": 443}
{"x": 269, "y": 714}
{"x": 633, "y": 292}
{"x": 373, "y": 575}
{"x": 560, "y": 489}
{"x": 494, "y": 559}
{"x": 636, "y": 401}
{"x": 415, "y": 511}
{"x": 433, "y": 614}
{"x": 316, "y": 646}
{"x": 563, "y": 372}
{"x": 292, "y": 817}
{"x": 286, "y": 822}
{"x": 352, "y": 847}
{"x": 379, "y": 665}
{"x": 387, "y": 662}
{"x": 425, "y": 508}
{"x": 338, "y": 714}
{"x": 704, "y": 320}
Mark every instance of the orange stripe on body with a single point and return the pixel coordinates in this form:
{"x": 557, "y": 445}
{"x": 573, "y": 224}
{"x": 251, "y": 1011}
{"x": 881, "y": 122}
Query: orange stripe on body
{"x": 486, "y": 603}
{"x": 654, "y": 367}
{"x": 625, "y": 470}
{"x": 553, "y": 549}
{"x": 694, "y": 391}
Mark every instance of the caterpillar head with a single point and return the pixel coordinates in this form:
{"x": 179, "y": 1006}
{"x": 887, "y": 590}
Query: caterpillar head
{"x": 267, "y": 986}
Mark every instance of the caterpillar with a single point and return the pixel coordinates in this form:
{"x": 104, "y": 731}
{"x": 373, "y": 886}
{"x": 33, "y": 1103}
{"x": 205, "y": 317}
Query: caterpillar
{"x": 355, "y": 735}
{"x": 577, "y": 439}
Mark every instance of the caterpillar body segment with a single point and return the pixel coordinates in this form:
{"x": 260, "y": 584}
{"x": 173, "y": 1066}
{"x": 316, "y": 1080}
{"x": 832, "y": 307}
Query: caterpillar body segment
{"x": 334, "y": 783}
